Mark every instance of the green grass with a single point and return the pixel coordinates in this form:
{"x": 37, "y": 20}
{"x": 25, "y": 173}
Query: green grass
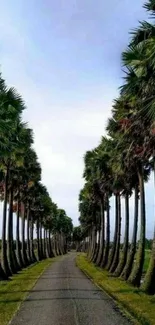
{"x": 13, "y": 292}
{"x": 135, "y": 302}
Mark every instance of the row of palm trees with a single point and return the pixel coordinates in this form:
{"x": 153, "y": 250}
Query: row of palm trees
{"x": 122, "y": 164}
{"x": 27, "y": 205}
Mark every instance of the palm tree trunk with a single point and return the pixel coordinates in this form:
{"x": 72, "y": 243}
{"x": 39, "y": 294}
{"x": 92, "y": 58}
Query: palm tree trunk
{"x": 113, "y": 248}
{"x": 136, "y": 274}
{"x": 102, "y": 241}
{"x": 50, "y": 253}
{"x": 148, "y": 285}
{"x": 64, "y": 244}
{"x": 46, "y": 248}
{"x": 106, "y": 251}
{"x": 54, "y": 245}
{"x": 84, "y": 245}
{"x": 123, "y": 259}
{"x": 61, "y": 244}
{"x": 28, "y": 235}
{"x": 117, "y": 251}
{"x": 90, "y": 243}
{"x": 38, "y": 241}
{"x": 4, "y": 259}
{"x": 50, "y": 245}
{"x": 24, "y": 255}
{"x": 44, "y": 242}
{"x": 3, "y": 276}
{"x": 94, "y": 243}
{"x": 32, "y": 254}
{"x": 130, "y": 260}
{"x": 58, "y": 249}
{"x": 58, "y": 241}
{"x": 46, "y": 245}
{"x": 97, "y": 244}
{"x": 18, "y": 244}
{"x": 11, "y": 261}
{"x": 41, "y": 241}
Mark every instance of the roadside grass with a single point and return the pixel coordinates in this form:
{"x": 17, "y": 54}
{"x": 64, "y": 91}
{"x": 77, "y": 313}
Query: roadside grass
{"x": 135, "y": 302}
{"x": 13, "y": 292}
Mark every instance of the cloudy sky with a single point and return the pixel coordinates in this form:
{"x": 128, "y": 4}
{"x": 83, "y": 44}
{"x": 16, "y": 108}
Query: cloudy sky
{"x": 63, "y": 56}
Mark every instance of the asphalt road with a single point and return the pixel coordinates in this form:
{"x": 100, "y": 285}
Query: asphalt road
{"x": 64, "y": 296}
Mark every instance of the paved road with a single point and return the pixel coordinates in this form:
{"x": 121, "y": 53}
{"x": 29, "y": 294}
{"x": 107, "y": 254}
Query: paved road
{"x": 64, "y": 296}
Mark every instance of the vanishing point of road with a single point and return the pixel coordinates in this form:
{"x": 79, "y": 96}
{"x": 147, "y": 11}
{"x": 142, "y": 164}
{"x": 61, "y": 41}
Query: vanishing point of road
{"x": 64, "y": 296}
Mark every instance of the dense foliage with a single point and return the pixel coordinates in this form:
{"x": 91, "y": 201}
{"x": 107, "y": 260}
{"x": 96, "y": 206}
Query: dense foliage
{"x": 122, "y": 163}
{"x": 23, "y": 194}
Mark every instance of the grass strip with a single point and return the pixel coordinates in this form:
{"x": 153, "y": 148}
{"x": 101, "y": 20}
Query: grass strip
{"x": 13, "y": 292}
{"x": 135, "y": 302}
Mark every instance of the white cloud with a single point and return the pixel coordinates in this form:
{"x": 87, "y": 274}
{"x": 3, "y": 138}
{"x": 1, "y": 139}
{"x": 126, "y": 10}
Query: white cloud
{"x": 61, "y": 144}
{"x": 68, "y": 105}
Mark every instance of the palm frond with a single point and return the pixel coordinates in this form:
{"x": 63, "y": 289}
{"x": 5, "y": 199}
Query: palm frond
{"x": 150, "y": 6}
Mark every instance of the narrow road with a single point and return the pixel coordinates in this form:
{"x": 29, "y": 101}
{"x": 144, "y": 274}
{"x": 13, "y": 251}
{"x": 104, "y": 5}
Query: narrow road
{"x": 64, "y": 296}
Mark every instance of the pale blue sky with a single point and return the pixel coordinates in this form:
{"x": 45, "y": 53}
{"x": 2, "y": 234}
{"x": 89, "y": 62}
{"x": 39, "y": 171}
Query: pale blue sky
{"x": 64, "y": 58}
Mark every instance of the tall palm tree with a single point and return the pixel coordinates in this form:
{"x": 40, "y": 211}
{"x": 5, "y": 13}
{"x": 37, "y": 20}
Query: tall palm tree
{"x": 10, "y": 112}
{"x": 23, "y": 193}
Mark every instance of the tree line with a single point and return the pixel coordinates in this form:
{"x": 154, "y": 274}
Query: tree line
{"x": 121, "y": 165}
{"x": 27, "y": 204}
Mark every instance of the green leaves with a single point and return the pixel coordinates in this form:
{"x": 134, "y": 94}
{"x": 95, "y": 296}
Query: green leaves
{"x": 112, "y": 166}
{"x": 150, "y": 6}
{"x": 21, "y": 162}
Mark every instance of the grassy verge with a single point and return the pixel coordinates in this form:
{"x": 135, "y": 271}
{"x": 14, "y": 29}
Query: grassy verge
{"x": 135, "y": 302}
{"x": 13, "y": 292}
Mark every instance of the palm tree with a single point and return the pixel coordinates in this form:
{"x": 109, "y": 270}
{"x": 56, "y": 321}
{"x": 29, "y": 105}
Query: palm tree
{"x": 144, "y": 63}
{"x": 89, "y": 216}
{"x": 22, "y": 192}
{"x": 23, "y": 139}
{"x": 10, "y": 250}
{"x": 11, "y": 108}
{"x": 131, "y": 131}
{"x": 97, "y": 173}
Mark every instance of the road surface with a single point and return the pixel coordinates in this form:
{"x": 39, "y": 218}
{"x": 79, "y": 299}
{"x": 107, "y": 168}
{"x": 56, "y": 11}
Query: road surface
{"x": 64, "y": 296}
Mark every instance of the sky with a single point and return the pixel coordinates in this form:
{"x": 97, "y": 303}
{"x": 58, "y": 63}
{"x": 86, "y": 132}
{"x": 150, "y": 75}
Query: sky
{"x": 64, "y": 58}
